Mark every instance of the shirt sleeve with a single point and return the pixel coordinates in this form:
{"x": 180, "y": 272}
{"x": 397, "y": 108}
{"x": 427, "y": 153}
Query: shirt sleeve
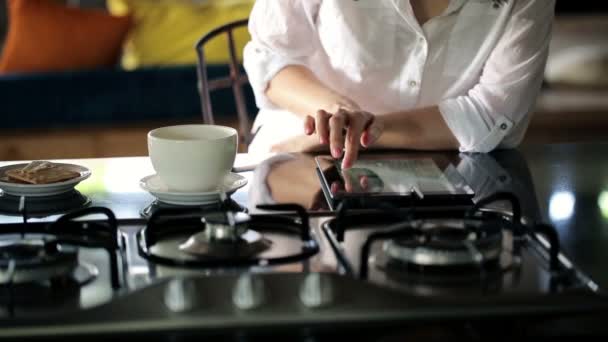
{"x": 283, "y": 33}
{"x": 497, "y": 110}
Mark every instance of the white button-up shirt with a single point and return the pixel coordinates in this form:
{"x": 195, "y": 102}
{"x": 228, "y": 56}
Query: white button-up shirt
{"x": 480, "y": 62}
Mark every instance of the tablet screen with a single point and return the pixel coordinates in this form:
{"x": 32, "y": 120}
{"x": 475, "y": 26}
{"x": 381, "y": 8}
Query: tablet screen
{"x": 394, "y": 177}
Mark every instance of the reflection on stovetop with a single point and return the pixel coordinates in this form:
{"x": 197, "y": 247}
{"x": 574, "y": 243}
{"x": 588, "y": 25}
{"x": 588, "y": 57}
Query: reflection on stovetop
{"x": 476, "y": 253}
{"x": 218, "y": 266}
{"x": 64, "y": 266}
{"x": 156, "y": 205}
{"x": 44, "y": 206}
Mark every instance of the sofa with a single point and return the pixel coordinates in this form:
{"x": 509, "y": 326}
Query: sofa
{"x": 108, "y": 97}
{"x": 99, "y": 112}
{"x": 98, "y": 105}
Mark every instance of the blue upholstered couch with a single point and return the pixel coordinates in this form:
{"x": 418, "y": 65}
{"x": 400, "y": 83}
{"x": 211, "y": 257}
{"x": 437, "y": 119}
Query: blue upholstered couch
{"x": 107, "y": 97}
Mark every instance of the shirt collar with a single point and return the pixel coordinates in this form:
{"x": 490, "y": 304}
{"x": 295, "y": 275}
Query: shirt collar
{"x": 454, "y": 6}
{"x": 404, "y": 9}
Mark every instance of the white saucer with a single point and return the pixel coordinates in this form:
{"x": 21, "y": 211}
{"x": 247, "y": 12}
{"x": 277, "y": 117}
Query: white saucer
{"x": 155, "y": 186}
{"x": 40, "y": 190}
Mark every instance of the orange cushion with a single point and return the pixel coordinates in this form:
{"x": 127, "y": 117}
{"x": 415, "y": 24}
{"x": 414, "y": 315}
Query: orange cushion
{"x": 45, "y": 35}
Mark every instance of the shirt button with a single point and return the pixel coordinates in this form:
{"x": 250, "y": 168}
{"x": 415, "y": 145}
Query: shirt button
{"x": 413, "y": 84}
{"x": 504, "y": 126}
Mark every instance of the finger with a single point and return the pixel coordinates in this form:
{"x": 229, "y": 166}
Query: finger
{"x": 335, "y": 187}
{"x": 309, "y": 125}
{"x": 364, "y": 182}
{"x": 322, "y": 126}
{"x": 337, "y": 123}
{"x": 348, "y": 183}
{"x": 353, "y": 137}
{"x": 318, "y": 201}
{"x": 372, "y": 132}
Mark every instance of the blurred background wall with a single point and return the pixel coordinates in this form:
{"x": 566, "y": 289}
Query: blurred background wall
{"x": 563, "y": 7}
{"x": 4, "y": 20}
{"x": 108, "y": 111}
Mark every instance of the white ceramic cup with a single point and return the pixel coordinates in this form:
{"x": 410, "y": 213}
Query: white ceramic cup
{"x": 193, "y": 158}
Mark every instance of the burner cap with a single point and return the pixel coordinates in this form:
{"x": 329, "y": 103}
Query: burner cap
{"x": 238, "y": 218}
{"x": 447, "y": 243}
{"x": 226, "y": 235}
{"x": 248, "y": 244}
{"x": 225, "y": 227}
{"x": 32, "y": 261}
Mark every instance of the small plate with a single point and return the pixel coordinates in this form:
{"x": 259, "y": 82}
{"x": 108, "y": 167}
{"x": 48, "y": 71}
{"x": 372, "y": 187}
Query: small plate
{"x": 40, "y": 190}
{"x": 158, "y": 189}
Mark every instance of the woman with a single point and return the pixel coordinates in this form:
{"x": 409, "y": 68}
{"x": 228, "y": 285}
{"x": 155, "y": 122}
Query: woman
{"x": 413, "y": 74}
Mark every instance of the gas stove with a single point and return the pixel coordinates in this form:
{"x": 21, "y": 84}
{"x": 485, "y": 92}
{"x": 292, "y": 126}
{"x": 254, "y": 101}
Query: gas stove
{"x": 463, "y": 255}
{"x": 218, "y": 268}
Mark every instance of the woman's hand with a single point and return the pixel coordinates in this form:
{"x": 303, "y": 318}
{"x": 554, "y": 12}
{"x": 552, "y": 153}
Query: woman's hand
{"x": 348, "y": 185}
{"x": 345, "y": 131}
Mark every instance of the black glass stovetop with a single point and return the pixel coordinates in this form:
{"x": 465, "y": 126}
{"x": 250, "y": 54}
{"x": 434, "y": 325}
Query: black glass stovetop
{"x": 527, "y": 288}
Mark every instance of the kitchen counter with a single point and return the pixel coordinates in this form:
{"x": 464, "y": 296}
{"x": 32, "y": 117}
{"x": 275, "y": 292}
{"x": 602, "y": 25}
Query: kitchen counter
{"x": 565, "y": 185}
{"x": 571, "y": 185}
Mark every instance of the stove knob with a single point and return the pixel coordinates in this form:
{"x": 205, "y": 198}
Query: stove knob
{"x": 181, "y": 295}
{"x": 248, "y": 293}
{"x": 316, "y": 291}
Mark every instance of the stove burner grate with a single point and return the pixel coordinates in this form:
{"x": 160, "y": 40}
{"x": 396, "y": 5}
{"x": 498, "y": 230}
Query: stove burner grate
{"x": 36, "y": 252}
{"x": 447, "y": 243}
{"x": 39, "y": 264}
{"x": 473, "y": 241}
{"x": 194, "y": 239}
{"x": 247, "y": 245}
{"x": 33, "y": 261}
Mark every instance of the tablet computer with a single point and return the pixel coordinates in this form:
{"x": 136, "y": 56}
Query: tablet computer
{"x": 402, "y": 181}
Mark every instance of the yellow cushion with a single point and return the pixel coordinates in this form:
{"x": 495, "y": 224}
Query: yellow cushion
{"x": 165, "y": 31}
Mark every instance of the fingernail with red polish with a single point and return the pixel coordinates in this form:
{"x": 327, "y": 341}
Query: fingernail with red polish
{"x": 334, "y": 188}
{"x": 337, "y": 152}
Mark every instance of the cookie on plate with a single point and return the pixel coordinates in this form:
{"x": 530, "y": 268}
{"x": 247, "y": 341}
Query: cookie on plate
{"x": 41, "y": 172}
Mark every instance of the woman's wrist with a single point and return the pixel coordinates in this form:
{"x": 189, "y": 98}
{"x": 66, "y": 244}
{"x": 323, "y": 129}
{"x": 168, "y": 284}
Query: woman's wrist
{"x": 420, "y": 129}
{"x": 395, "y": 131}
